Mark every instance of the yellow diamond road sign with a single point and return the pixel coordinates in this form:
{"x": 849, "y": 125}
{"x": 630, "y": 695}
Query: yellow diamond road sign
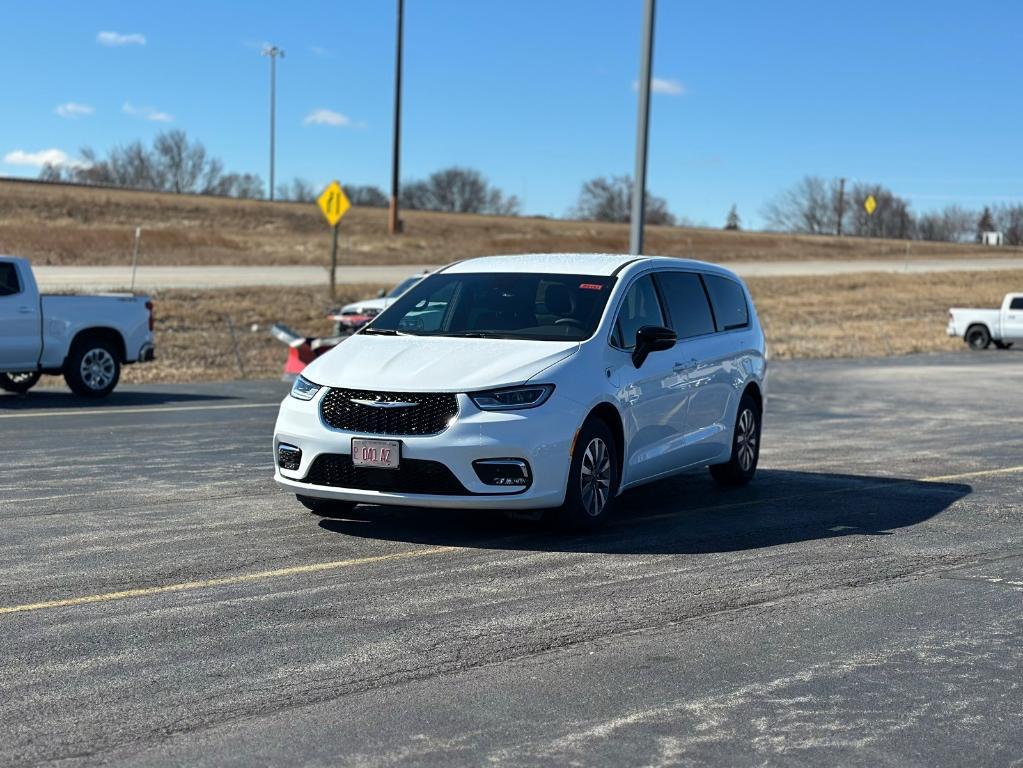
{"x": 333, "y": 202}
{"x": 870, "y": 204}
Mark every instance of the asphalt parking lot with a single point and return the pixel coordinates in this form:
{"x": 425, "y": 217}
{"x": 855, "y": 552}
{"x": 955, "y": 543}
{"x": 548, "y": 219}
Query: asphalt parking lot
{"x": 162, "y": 603}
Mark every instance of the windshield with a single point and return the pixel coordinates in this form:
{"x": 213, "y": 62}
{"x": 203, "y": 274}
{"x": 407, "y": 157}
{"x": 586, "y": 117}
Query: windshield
{"x": 403, "y": 286}
{"x": 501, "y": 305}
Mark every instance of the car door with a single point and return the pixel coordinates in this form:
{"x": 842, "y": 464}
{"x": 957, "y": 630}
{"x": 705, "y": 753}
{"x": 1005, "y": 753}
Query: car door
{"x": 701, "y": 359}
{"x": 19, "y": 323}
{"x": 1012, "y": 320}
{"x": 651, "y": 397}
{"x": 715, "y": 374}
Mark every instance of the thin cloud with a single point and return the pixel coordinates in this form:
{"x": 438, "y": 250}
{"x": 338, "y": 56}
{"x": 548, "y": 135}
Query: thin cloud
{"x": 147, "y": 113}
{"x": 43, "y": 157}
{"x": 663, "y": 85}
{"x": 319, "y": 51}
{"x": 327, "y": 117}
{"x": 115, "y": 39}
{"x": 72, "y": 109}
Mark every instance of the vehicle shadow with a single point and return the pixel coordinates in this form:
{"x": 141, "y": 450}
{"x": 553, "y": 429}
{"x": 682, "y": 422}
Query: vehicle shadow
{"x": 687, "y": 514}
{"x": 42, "y": 399}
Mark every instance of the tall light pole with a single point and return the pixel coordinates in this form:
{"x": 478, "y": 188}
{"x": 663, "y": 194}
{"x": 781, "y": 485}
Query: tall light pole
{"x": 273, "y": 52}
{"x": 642, "y": 125}
{"x": 392, "y": 219}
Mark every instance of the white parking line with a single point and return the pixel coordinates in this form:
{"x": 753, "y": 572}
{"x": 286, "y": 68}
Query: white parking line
{"x": 143, "y": 409}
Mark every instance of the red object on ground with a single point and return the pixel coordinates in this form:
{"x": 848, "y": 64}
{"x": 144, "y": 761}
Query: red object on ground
{"x": 302, "y": 350}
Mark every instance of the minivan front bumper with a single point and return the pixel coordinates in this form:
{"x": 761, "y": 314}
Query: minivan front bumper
{"x": 542, "y": 437}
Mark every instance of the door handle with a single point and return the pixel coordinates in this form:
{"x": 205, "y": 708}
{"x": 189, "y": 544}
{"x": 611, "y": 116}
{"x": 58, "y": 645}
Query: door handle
{"x": 25, "y": 310}
{"x": 686, "y": 366}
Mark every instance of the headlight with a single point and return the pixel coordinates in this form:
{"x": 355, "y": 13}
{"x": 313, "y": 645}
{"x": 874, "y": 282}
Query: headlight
{"x": 303, "y": 389}
{"x": 512, "y": 398}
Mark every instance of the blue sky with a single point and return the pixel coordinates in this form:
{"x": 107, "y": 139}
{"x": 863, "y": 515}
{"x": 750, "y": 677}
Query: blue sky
{"x": 538, "y": 94}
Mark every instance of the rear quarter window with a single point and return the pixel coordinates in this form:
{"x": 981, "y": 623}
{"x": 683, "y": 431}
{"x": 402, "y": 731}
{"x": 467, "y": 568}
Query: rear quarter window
{"x": 8, "y": 280}
{"x": 729, "y": 302}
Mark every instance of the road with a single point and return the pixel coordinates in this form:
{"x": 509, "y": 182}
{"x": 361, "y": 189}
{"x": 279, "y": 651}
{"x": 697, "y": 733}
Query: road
{"x": 190, "y": 277}
{"x": 162, "y": 603}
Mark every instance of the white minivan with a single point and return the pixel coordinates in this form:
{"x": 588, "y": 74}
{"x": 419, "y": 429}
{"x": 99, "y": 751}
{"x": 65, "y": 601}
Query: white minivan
{"x": 550, "y": 381}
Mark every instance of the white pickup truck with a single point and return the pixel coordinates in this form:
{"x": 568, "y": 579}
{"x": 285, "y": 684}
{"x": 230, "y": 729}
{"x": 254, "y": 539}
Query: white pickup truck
{"x": 87, "y": 338}
{"x": 980, "y": 327}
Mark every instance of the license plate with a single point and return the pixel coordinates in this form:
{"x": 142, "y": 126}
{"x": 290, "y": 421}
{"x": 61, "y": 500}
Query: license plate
{"x": 382, "y": 454}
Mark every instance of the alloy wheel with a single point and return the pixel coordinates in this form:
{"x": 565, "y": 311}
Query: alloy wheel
{"x": 746, "y": 439}
{"x": 595, "y": 477}
{"x": 97, "y": 368}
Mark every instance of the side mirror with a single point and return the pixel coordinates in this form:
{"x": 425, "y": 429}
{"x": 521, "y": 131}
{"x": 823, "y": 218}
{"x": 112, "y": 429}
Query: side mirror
{"x": 652, "y": 338}
{"x": 381, "y": 293}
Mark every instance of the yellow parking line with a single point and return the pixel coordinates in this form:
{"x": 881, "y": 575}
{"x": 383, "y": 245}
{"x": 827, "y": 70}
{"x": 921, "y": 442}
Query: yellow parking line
{"x": 242, "y": 579}
{"x": 336, "y": 564}
{"x": 968, "y": 475}
{"x": 146, "y": 409}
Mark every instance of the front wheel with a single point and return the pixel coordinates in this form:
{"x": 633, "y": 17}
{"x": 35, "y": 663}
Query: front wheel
{"x": 978, "y": 337}
{"x": 1004, "y": 344}
{"x": 592, "y": 479}
{"x": 92, "y": 368}
{"x": 742, "y": 465}
{"x": 19, "y": 382}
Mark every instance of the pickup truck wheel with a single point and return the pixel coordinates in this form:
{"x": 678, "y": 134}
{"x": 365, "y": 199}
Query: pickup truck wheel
{"x": 977, "y": 337}
{"x": 92, "y": 369}
{"x": 1003, "y": 344}
{"x": 19, "y": 382}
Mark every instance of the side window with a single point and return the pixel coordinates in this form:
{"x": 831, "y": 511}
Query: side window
{"x": 8, "y": 280}
{"x": 641, "y": 307}
{"x": 729, "y": 302}
{"x": 687, "y": 303}
{"x": 1016, "y": 303}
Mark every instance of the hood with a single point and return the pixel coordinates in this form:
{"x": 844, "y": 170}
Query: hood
{"x": 361, "y": 307}
{"x": 434, "y": 364}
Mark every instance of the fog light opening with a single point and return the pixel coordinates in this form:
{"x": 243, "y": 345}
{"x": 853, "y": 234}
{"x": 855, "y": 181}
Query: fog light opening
{"x": 289, "y": 456}
{"x": 503, "y": 472}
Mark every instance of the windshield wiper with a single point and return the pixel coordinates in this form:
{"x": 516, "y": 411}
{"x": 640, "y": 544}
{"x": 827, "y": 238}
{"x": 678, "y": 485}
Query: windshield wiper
{"x": 383, "y": 332}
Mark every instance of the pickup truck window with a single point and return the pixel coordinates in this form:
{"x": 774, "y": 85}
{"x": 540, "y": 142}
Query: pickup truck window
{"x": 1016, "y": 303}
{"x": 8, "y": 280}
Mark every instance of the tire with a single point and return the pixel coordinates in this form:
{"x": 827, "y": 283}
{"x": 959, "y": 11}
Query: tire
{"x": 1003, "y": 344}
{"x": 592, "y": 479}
{"x": 92, "y": 368}
{"x": 19, "y": 382}
{"x": 977, "y": 337}
{"x": 326, "y": 507}
{"x": 742, "y": 466}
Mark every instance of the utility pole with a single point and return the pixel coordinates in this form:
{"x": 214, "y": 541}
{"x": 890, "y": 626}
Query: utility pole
{"x": 642, "y": 125}
{"x": 273, "y": 52}
{"x": 840, "y": 213}
{"x": 393, "y": 222}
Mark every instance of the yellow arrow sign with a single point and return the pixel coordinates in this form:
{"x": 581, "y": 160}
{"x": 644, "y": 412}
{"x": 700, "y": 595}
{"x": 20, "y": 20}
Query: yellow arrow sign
{"x": 870, "y": 205}
{"x": 333, "y": 202}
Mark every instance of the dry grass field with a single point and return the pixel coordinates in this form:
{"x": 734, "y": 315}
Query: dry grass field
{"x": 63, "y": 225}
{"x": 843, "y": 316}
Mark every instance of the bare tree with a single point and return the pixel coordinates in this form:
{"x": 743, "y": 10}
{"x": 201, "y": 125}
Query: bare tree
{"x": 367, "y": 195}
{"x": 610, "y": 199}
{"x": 299, "y": 190}
{"x": 811, "y": 206}
{"x": 891, "y": 216}
{"x": 1009, "y": 219}
{"x": 953, "y": 224}
{"x": 180, "y": 164}
{"x": 458, "y": 190}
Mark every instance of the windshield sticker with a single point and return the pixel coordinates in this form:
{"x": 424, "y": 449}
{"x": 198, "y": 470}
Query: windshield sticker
{"x": 591, "y": 287}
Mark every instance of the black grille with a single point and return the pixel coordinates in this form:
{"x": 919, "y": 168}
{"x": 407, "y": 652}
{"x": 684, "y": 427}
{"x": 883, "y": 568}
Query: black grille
{"x": 413, "y": 476}
{"x": 430, "y": 414}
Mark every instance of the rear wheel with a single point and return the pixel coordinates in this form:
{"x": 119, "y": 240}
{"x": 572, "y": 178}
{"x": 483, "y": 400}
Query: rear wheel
{"x": 92, "y": 368}
{"x": 978, "y": 337}
{"x": 326, "y": 507}
{"x": 19, "y": 382}
{"x": 1003, "y": 344}
{"x": 592, "y": 479}
{"x": 742, "y": 465}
